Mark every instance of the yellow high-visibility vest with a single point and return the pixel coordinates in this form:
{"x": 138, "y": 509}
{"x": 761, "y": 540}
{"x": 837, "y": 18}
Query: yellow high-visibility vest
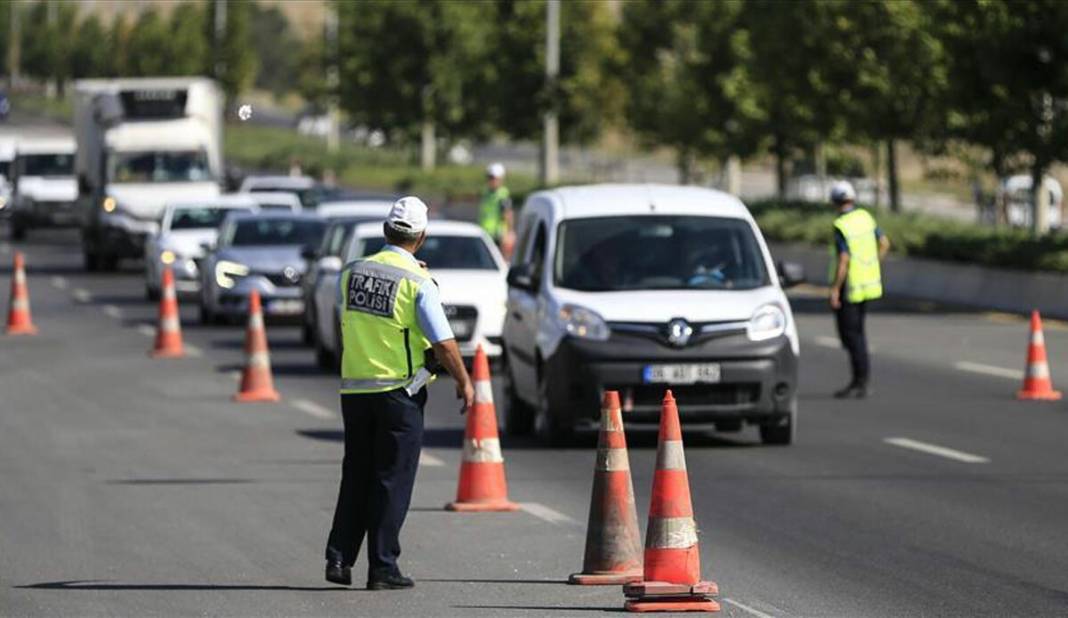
{"x": 490, "y": 217}
{"x": 382, "y": 343}
{"x": 864, "y": 278}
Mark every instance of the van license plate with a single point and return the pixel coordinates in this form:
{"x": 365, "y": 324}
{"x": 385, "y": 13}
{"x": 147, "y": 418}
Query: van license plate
{"x": 708, "y": 373}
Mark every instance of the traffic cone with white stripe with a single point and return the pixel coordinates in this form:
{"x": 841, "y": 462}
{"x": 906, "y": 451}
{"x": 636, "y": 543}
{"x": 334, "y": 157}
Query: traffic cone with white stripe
{"x": 169, "y": 333}
{"x": 1037, "y": 383}
{"x": 613, "y": 544}
{"x": 482, "y": 486}
{"x": 672, "y": 574}
{"x": 18, "y": 315}
{"x": 256, "y": 381}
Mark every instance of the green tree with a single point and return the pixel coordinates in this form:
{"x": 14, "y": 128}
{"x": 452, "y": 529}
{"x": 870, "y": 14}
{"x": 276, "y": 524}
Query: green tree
{"x": 278, "y": 67}
{"x": 233, "y": 55}
{"x": 46, "y": 44}
{"x": 146, "y": 49}
{"x": 187, "y": 49}
{"x": 409, "y": 67}
{"x": 118, "y": 46}
{"x": 90, "y": 53}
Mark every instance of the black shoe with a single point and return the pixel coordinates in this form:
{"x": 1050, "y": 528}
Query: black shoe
{"x": 861, "y": 391}
{"x": 338, "y": 573}
{"x": 394, "y": 581}
{"x": 847, "y": 392}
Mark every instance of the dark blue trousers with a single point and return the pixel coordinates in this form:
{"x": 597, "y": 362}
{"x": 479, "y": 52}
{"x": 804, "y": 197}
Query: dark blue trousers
{"x": 383, "y": 437}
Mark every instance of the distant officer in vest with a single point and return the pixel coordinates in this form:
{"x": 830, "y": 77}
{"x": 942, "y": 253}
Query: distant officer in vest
{"x": 391, "y": 317}
{"x": 495, "y": 207}
{"x": 856, "y": 280}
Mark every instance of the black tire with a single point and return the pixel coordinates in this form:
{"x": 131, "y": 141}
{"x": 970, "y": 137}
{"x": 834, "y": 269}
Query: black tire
{"x": 207, "y": 317}
{"x": 109, "y": 263}
{"x": 781, "y": 432}
{"x": 92, "y": 262}
{"x": 151, "y": 293}
{"x": 548, "y": 425}
{"x": 518, "y": 416}
{"x": 307, "y": 335}
{"x": 18, "y": 231}
{"x": 729, "y": 426}
{"x": 323, "y": 357}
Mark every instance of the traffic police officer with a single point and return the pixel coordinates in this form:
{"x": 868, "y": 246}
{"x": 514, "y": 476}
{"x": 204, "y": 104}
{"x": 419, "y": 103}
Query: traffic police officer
{"x": 856, "y": 279}
{"x": 495, "y": 207}
{"x": 391, "y": 316}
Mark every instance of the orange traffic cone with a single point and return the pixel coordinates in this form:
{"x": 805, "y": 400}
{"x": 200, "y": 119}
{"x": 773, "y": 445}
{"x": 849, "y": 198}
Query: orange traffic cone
{"x": 613, "y": 545}
{"x": 1037, "y": 383}
{"x": 18, "y": 315}
{"x": 256, "y": 381}
{"x": 482, "y": 486}
{"x": 169, "y": 332}
{"x": 672, "y": 577}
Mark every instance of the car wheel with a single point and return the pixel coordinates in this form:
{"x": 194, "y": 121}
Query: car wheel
{"x": 323, "y": 357}
{"x": 548, "y": 425}
{"x": 781, "y": 431}
{"x": 92, "y": 262}
{"x": 151, "y": 293}
{"x": 18, "y": 232}
{"x": 207, "y": 317}
{"x": 518, "y": 416}
{"x": 108, "y": 263}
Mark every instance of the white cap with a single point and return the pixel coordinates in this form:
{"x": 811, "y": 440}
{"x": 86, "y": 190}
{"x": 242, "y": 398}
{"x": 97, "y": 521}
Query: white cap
{"x": 842, "y": 191}
{"x": 495, "y": 170}
{"x": 408, "y": 214}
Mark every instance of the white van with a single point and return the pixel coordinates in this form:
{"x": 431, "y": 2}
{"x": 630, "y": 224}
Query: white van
{"x": 44, "y": 189}
{"x": 641, "y": 289}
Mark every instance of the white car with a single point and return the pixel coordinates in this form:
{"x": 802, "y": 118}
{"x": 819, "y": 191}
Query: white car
{"x": 7, "y": 164}
{"x": 462, "y": 259}
{"x": 276, "y": 200}
{"x": 640, "y": 289}
{"x": 354, "y": 208}
{"x": 185, "y": 229}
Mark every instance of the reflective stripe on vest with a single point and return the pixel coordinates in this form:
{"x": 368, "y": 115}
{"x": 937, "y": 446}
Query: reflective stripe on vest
{"x": 382, "y": 343}
{"x": 490, "y": 217}
{"x": 864, "y": 277}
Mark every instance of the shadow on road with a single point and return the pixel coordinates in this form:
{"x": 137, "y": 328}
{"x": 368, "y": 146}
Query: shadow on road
{"x": 543, "y": 608}
{"x": 103, "y": 585}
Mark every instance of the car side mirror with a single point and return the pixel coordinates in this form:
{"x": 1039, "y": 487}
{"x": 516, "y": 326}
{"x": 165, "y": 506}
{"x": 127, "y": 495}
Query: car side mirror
{"x": 522, "y": 276}
{"x": 330, "y": 264}
{"x": 208, "y": 247}
{"x": 790, "y": 274}
{"x": 310, "y": 253}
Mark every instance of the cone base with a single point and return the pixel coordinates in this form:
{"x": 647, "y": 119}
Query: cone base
{"x": 27, "y": 329}
{"x": 258, "y": 397}
{"x": 605, "y": 579}
{"x": 682, "y": 604}
{"x": 1038, "y": 395}
{"x": 179, "y": 353}
{"x": 482, "y": 507}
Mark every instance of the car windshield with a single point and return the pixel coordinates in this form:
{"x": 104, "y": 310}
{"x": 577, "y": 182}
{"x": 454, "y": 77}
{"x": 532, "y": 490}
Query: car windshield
{"x": 445, "y": 252}
{"x": 198, "y": 218}
{"x": 658, "y": 253}
{"x": 158, "y": 167}
{"x": 5, "y": 169}
{"x": 46, "y": 165}
{"x": 274, "y": 231}
{"x": 309, "y": 198}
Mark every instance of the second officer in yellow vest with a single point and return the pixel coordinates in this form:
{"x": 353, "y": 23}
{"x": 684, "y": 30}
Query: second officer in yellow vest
{"x": 391, "y": 318}
{"x": 856, "y": 280}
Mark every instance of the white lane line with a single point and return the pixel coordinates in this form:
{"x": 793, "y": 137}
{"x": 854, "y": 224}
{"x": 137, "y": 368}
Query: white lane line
{"x": 59, "y": 283}
{"x": 429, "y": 461}
{"x": 112, "y": 311}
{"x": 989, "y": 370}
{"x": 827, "y": 342}
{"x": 745, "y": 608}
{"x": 146, "y": 330}
{"x": 934, "y": 449}
{"x": 192, "y": 350}
{"x": 545, "y": 513}
{"x": 313, "y": 408}
{"x": 82, "y": 295}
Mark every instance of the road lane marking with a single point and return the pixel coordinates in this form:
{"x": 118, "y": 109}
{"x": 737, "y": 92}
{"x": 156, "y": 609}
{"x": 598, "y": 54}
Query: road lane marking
{"x": 545, "y": 513}
{"x": 112, "y": 311}
{"x": 989, "y": 370}
{"x": 59, "y": 283}
{"x": 934, "y": 449}
{"x": 146, "y": 330}
{"x": 429, "y": 461}
{"x": 82, "y": 295}
{"x": 313, "y": 409}
{"x": 745, "y": 608}
{"x": 192, "y": 350}
{"x": 827, "y": 342}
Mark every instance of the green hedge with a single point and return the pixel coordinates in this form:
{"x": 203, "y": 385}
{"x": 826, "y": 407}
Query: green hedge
{"x": 921, "y": 236}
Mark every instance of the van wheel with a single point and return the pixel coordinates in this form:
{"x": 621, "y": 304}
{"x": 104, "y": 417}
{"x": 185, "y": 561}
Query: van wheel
{"x": 92, "y": 262}
{"x": 518, "y": 416}
{"x": 547, "y": 425}
{"x": 781, "y": 431}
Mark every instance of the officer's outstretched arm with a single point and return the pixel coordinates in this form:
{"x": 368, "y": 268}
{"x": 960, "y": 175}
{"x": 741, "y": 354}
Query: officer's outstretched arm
{"x": 448, "y": 354}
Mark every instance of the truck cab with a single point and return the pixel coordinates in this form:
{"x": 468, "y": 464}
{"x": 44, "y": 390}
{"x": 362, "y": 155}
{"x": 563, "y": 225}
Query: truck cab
{"x": 43, "y": 188}
{"x": 142, "y": 143}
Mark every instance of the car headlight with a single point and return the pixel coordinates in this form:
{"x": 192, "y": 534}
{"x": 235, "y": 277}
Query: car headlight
{"x": 109, "y": 204}
{"x": 167, "y": 257}
{"x": 3, "y": 202}
{"x": 583, "y": 323}
{"x": 768, "y": 322}
{"x": 226, "y": 270}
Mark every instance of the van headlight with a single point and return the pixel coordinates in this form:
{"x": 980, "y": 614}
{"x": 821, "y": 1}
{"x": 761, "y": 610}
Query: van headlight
{"x": 583, "y": 323}
{"x": 109, "y": 204}
{"x": 226, "y": 270}
{"x": 167, "y": 257}
{"x": 768, "y": 322}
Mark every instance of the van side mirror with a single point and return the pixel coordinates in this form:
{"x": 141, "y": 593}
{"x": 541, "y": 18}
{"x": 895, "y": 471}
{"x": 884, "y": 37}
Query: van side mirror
{"x": 522, "y": 276}
{"x": 790, "y": 274}
{"x": 208, "y": 247}
{"x": 330, "y": 264}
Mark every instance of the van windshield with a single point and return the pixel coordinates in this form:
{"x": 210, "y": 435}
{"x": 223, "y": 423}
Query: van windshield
{"x": 174, "y": 166}
{"x": 46, "y": 164}
{"x": 658, "y": 253}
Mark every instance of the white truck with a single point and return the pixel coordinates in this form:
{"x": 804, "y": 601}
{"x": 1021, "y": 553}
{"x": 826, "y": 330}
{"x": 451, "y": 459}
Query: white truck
{"x": 43, "y": 188}
{"x": 141, "y": 144}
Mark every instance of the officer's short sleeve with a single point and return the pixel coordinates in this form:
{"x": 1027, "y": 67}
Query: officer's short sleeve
{"x": 840, "y": 242}
{"x": 431, "y": 315}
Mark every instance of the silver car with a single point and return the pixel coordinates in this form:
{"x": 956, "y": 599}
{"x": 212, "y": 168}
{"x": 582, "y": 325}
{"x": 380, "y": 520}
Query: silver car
{"x": 257, "y": 251}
